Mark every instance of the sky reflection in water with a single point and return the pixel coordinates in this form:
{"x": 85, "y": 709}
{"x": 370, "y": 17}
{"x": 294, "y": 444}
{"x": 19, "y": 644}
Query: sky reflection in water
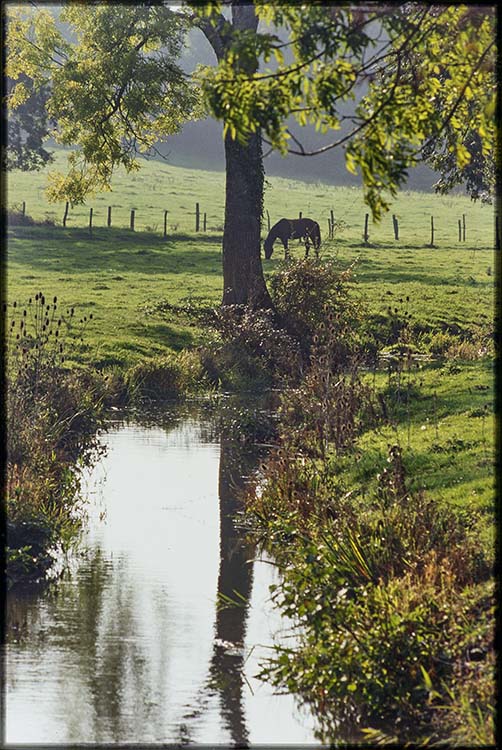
{"x": 130, "y": 647}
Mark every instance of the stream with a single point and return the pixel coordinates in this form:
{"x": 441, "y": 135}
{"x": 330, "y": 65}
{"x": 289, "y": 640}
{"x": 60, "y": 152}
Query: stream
{"x": 129, "y": 644}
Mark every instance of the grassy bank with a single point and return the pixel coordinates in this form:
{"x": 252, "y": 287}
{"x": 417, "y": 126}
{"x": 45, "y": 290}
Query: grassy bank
{"x": 53, "y": 414}
{"x": 378, "y": 507}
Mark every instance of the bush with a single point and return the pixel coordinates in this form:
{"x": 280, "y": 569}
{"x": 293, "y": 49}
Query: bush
{"x": 394, "y": 598}
{"x": 305, "y": 292}
{"x": 252, "y": 351}
{"x": 166, "y": 377}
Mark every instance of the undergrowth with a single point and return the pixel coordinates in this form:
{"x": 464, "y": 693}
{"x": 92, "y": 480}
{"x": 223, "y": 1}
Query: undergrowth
{"x": 52, "y": 416}
{"x": 390, "y": 587}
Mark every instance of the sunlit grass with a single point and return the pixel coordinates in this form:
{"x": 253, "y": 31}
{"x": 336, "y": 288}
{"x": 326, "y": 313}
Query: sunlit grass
{"x": 116, "y": 272}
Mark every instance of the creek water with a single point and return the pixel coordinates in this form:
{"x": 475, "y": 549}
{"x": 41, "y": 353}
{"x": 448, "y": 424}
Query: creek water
{"x": 130, "y": 645}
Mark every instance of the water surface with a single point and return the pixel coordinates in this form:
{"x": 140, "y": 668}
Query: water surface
{"x": 130, "y": 646}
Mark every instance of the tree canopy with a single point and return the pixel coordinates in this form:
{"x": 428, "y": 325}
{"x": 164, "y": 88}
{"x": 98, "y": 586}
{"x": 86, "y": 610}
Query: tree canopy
{"x": 115, "y": 91}
{"x": 420, "y": 80}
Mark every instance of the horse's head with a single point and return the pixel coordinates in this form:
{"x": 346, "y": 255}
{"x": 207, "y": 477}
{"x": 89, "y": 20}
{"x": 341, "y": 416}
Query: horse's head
{"x": 268, "y": 246}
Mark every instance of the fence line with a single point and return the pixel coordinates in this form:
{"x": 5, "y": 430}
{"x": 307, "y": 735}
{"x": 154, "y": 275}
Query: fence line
{"x": 205, "y": 222}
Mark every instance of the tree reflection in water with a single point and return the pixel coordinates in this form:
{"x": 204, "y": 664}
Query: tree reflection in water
{"x": 112, "y": 643}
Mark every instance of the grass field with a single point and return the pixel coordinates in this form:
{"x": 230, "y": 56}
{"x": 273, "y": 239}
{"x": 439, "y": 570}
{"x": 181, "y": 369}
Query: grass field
{"x": 119, "y": 274}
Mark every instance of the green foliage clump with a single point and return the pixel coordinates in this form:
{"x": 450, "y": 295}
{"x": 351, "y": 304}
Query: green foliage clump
{"x": 166, "y": 377}
{"x": 251, "y": 351}
{"x": 308, "y": 292}
{"x": 393, "y": 597}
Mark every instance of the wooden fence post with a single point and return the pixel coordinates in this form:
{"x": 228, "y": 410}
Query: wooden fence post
{"x": 109, "y": 217}
{"x": 300, "y": 215}
{"x": 330, "y": 230}
{"x": 463, "y": 227}
{"x": 432, "y": 231}
{"x": 396, "y": 226}
{"x": 133, "y": 217}
{"x": 165, "y": 223}
{"x": 366, "y": 235}
{"x": 459, "y": 230}
{"x": 205, "y": 221}
{"x": 90, "y": 220}
{"x": 332, "y": 224}
{"x": 197, "y": 217}
{"x": 23, "y": 209}
{"x": 65, "y": 215}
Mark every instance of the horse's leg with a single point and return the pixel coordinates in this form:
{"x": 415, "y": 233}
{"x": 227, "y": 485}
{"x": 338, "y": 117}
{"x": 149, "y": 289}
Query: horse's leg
{"x": 307, "y": 246}
{"x": 286, "y": 250}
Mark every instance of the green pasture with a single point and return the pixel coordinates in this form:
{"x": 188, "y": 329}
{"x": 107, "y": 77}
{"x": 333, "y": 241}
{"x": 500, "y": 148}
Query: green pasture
{"x": 121, "y": 275}
{"x": 159, "y": 186}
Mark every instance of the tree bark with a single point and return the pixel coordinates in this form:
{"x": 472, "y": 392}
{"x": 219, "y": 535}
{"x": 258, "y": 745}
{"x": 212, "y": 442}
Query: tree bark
{"x": 243, "y": 280}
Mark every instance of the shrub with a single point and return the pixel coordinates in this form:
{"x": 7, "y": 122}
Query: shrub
{"x": 305, "y": 292}
{"x": 166, "y": 377}
{"x": 253, "y": 351}
{"x": 387, "y": 593}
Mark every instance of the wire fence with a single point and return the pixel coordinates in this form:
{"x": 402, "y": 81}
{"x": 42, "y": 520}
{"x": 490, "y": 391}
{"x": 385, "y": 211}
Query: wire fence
{"x": 166, "y": 223}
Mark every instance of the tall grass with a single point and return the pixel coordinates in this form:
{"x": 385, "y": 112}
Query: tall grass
{"x": 52, "y": 417}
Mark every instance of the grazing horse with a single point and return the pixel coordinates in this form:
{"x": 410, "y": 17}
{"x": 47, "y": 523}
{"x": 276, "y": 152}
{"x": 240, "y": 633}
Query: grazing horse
{"x": 291, "y": 229}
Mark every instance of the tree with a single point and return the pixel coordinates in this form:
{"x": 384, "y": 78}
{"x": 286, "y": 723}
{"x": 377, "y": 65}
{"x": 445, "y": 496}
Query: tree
{"x": 27, "y": 129}
{"x": 421, "y": 76}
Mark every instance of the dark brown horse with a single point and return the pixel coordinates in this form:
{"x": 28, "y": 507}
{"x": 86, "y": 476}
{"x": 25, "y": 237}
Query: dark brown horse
{"x": 291, "y": 229}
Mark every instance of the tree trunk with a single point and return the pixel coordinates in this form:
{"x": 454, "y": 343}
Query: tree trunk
{"x": 243, "y": 281}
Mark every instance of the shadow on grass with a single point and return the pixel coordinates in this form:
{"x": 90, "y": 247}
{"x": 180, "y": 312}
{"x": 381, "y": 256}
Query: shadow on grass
{"x": 390, "y": 270}
{"x": 74, "y": 251}
{"x": 175, "y": 337}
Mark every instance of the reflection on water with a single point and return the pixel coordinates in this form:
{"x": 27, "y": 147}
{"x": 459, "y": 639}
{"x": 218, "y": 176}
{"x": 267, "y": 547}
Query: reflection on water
{"x": 130, "y": 645}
